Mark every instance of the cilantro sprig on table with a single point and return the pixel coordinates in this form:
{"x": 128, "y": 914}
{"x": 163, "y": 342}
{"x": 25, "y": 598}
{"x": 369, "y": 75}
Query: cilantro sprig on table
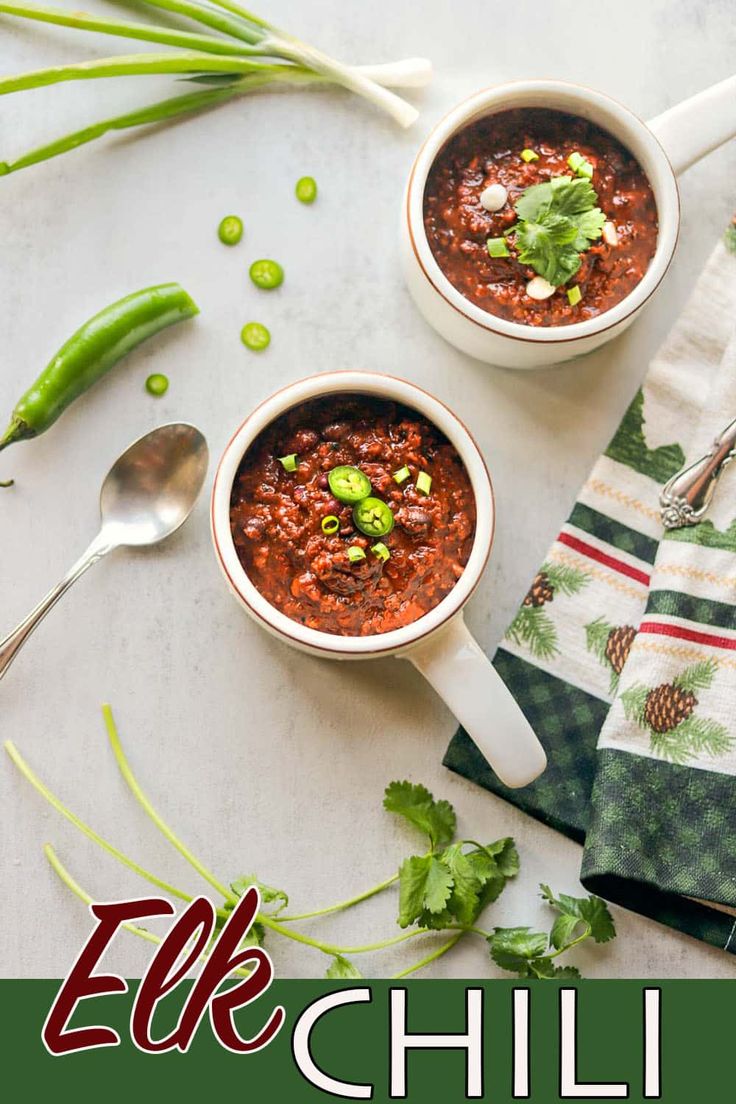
{"x": 558, "y": 220}
{"x": 530, "y": 954}
{"x": 443, "y": 890}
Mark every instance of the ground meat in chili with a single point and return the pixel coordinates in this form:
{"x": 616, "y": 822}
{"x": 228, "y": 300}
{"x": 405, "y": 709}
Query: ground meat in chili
{"x": 276, "y": 516}
{"x": 487, "y": 152}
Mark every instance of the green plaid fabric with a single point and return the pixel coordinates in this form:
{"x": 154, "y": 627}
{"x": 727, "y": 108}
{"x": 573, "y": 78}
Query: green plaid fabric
{"x": 623, "y": 653}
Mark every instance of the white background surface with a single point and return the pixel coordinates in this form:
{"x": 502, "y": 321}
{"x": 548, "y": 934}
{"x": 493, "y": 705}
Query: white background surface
{"x": 265, "y": 760}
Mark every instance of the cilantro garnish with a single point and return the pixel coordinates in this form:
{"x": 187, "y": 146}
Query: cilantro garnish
{"x": 445, "y": 889}
{"x": 558, "y": 220}
{"x": 529, "y": 954}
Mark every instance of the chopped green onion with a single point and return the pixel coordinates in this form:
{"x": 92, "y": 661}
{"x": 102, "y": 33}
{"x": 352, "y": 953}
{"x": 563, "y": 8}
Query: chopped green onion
{"x": 381, "y": 551}
{"x": 267, "y": 274}
{"x": 424, "y": 483}
{"x": 402, "y": 474}
{"x": 157, "y": 384}
{"x": 288, "y": 462}
{"x": 574, "y": 295}
{"x": 355, "y": 553}
{"x": 330, "y": 524}
{"x": 580, "y": 165}
{"x": 255, "y": 336}
{"x": 529, "y": 155}
{"x": 497, "y": 247}
{"x": 230, "y": 230}
{"x": 306, "y": 189}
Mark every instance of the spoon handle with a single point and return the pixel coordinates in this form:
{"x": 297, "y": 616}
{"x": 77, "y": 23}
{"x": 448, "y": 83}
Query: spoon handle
{"x": 11, "y": 645}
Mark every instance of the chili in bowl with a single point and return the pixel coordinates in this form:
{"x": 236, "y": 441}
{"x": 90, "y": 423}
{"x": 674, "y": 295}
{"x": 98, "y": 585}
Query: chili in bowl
{"x": 540, "y": 216}
{"x": 352, "y": 515}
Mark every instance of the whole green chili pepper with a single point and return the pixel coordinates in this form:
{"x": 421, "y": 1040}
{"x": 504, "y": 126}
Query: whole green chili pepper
{"x": 91, "y": 352}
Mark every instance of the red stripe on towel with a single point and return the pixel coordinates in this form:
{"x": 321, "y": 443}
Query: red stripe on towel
{"x": 594, "y": 553}
{"x": 662, "y": 628}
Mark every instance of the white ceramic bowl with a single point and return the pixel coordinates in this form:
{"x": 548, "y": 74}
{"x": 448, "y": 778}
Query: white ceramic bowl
{"x": 438, "y": 643}
{"x": 664, "y": 147}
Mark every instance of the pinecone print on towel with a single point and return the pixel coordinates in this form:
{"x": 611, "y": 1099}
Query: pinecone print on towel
{"x": 611, "y": 644}
{"x": 533, "y": 627}
{"x": 668, "y": 713}
{"x": 629, "y": 446}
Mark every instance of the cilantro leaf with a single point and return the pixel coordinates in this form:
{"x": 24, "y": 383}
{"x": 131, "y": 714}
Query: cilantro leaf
{"x": 590, "y": 227}
{"x": 548, "y": 246}
{"x": 591, "y": 911}
{"x": 467, "y": 883}
{"x": 414, "y": 802}
{"x": 269, "y": 895}
{"x": 425, "y": 883}
{"x": 514, "y": 948}
{"x": 506, "y": 856}
{"x": 342, "y": 968}
{"x": 557, "y": 221}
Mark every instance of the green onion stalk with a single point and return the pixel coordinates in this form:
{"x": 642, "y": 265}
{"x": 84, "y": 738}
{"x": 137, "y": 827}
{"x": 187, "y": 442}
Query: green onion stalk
{"x": 277, "y": 923}
{"x": 232, "y": 53}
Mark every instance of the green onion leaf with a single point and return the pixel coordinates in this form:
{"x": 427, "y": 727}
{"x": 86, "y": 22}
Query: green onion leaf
{"x": 330, "y": 524}
{"x": 355, "y": 553}
{"x": 424, "y": 483}
{"x": 497, "y": 247}
{"x": 381, "y": 551}
{"x": 529, "y": 155}
{"x": 574, "y": 295}
{"x": 402, "y": 474}
{"x": 288, "y": 462}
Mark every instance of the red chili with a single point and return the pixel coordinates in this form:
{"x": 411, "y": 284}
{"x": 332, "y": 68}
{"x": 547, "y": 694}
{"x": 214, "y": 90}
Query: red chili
{"x": 488, "y": 152}
{"x": 308, "y": 574}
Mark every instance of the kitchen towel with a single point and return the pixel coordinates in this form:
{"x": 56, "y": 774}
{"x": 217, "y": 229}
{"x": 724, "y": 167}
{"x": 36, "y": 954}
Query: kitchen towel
{"x": 623, "y": 652}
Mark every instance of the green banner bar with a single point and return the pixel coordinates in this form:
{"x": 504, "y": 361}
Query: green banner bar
{"x": 351, "y": 1043}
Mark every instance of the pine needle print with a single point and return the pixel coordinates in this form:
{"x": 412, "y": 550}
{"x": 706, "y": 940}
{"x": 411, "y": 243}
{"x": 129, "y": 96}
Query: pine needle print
{"x": 667, "y": 713}
{"x": 533, "y": 628}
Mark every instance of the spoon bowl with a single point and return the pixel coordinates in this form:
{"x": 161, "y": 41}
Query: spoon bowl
{"x": 149, "y": 492}
{"x": 151, "y": 489}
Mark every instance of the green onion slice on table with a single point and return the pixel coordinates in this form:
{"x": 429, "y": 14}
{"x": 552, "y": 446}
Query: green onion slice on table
{"x": 230, "y": 230}
{"x": 157, "y": 384}
{"x": 306, "y": 189}
{"x": 267, "y": 274}
{"x": 255, "y": 336}
{"x": 373, "y": 517}
{"x": 349, "y": 484}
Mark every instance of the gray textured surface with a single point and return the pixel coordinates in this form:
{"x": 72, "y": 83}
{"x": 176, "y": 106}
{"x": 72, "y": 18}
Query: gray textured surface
{"x": 266, "y": 760}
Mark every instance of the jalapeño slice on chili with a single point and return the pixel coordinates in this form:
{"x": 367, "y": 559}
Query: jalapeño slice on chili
{"x": 349, "y": 484}
{"x": 373, "y": 517}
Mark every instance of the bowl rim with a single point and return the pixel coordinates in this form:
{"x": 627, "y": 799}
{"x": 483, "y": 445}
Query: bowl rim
{"x": 471, "y": 108}
{"x": 384, "y": 386}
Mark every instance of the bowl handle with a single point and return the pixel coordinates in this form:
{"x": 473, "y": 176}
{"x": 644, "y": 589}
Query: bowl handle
{"x": 697, "y": 126}
{"x": 467, "y": 682}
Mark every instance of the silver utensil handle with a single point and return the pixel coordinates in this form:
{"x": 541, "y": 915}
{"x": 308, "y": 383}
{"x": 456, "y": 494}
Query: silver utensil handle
{"x": 12, "y": 644}
{"x": 686, "y": 497}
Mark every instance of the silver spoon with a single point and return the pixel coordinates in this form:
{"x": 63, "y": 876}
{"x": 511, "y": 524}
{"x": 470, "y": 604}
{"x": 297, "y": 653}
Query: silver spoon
{"x": 148, "y": 493}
